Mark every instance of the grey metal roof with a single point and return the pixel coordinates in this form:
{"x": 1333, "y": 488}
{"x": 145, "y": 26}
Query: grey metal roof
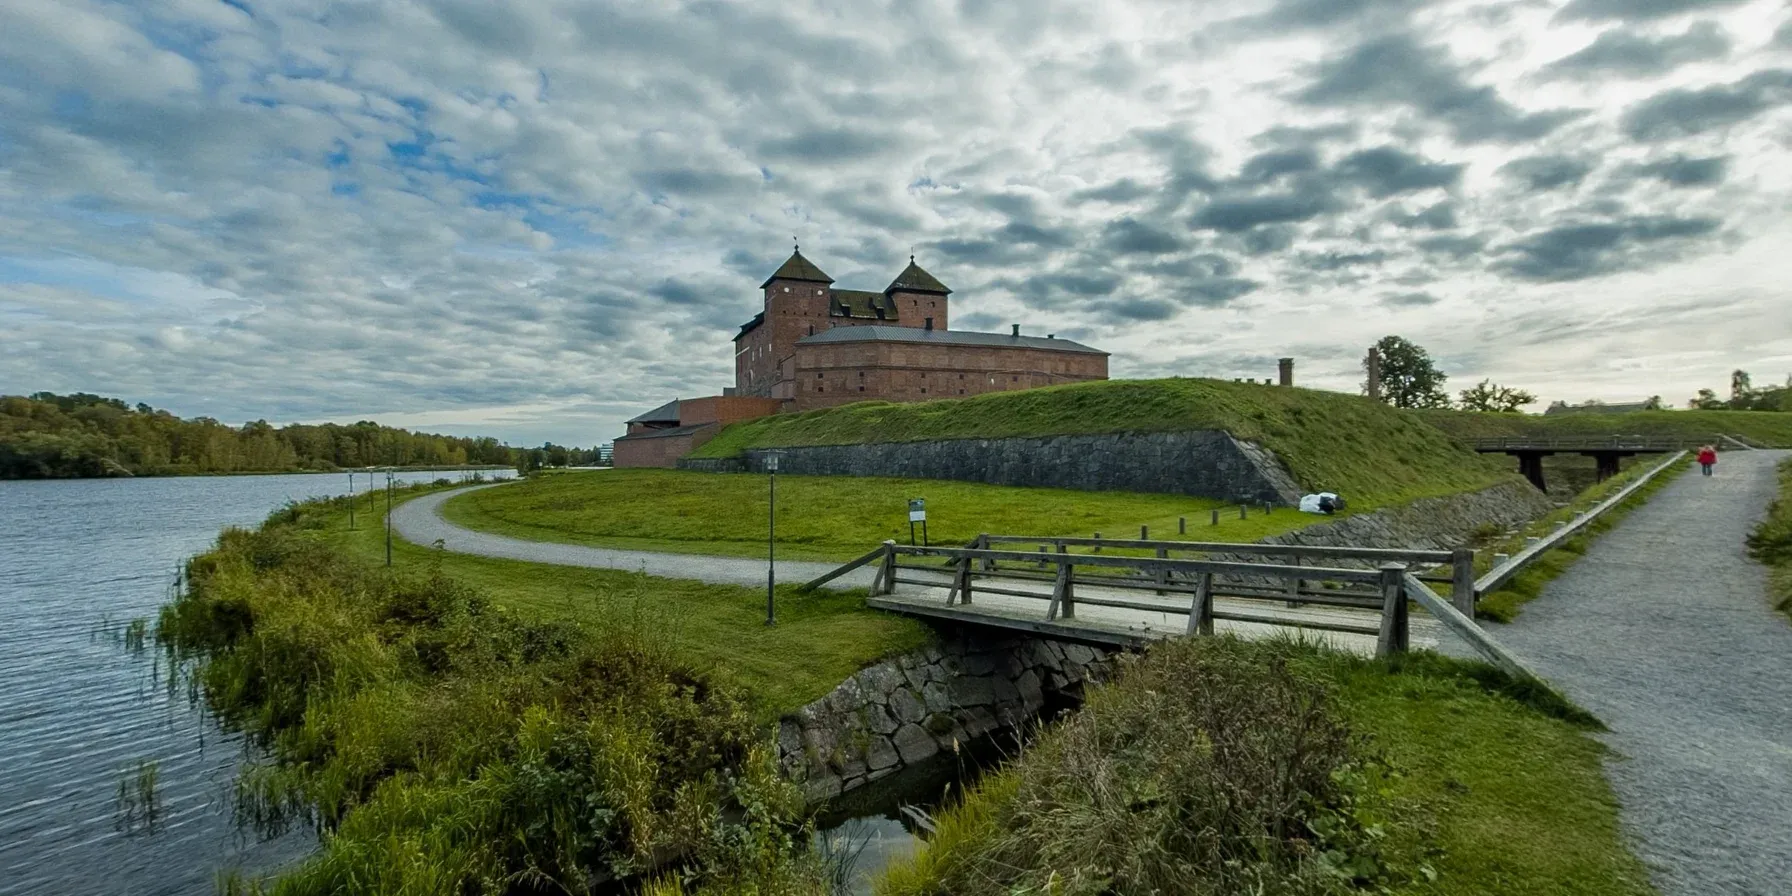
{"x": 665, "y": 413}
{"x": 944, "y": 337}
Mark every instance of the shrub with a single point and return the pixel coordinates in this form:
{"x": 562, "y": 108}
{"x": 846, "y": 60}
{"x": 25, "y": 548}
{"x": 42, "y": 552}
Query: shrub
{"x": 1211, "y": 766}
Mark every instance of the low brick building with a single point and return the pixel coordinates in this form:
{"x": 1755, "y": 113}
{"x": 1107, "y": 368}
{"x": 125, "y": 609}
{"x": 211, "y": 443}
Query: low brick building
{"x": 814, "y": 346}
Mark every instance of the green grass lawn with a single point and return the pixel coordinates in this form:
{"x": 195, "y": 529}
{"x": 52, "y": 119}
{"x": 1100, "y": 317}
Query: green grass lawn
{"x": 828, "y": 517}
{"x": 1519, "y": 801}
{"x": 821, "y": 638}
{"x": 1773, "y": 429}
{"x": 1367, "y": 451}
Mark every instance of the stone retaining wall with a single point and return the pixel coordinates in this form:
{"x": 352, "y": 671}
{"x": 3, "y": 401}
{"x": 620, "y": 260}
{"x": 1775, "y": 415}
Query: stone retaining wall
{"x": 1440, "y": 524}
{"x": 908, "y": 710}
{"x": 1203, "y": 463}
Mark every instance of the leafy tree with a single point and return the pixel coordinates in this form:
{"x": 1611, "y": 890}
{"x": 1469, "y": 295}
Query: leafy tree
{"x": 1707, "y": 400}
{"x": 1490, "y": 396}
{"x": 1409, "y": 379}
{"x": 1654, "y": 404}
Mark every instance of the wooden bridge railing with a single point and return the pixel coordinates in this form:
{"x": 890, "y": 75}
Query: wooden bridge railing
{"x": 979, "y": 571}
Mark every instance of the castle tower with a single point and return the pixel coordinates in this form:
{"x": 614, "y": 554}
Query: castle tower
{"x": 796, "y": 304}
{"x": 918, "y": 297}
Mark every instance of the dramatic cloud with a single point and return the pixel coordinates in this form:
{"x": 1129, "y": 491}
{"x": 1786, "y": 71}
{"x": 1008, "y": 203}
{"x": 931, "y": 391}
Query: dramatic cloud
{"x": 1684, "y": 112}
{"x": 535, "y": 219}
{"x": 1400, "y": 71}
{"x": 1548, "y": 172}
{"x": 1624, "y": 52}
{"x": 1579, "y": 251}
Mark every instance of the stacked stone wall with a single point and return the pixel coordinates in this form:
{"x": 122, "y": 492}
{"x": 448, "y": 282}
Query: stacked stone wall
{"x": 1208, "y": 464}
{"x": 908, "y": 710}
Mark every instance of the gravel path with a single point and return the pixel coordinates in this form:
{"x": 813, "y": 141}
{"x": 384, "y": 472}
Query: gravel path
{"x": 1663, "y": 630}
{"x": 419, "y": 521}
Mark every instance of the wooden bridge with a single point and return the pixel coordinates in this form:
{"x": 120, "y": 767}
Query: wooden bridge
{"x": 1128, "y": 593}
{"x": 1606, "y": 452}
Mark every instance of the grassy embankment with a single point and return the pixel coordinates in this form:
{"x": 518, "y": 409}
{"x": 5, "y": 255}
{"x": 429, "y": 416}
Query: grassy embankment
{"x": 1374, "y": 455}
{"x": 1369, "y": 452}
{"x": 1288, "y": 770}
{"x": 1769, "y": 429}
{"x": 1771, "y": 543}
{"x": 1504, "y": 605}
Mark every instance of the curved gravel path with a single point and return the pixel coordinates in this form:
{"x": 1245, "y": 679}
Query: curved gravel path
{"x": 1663, "y": 630}
{"x": 419, "y": 521}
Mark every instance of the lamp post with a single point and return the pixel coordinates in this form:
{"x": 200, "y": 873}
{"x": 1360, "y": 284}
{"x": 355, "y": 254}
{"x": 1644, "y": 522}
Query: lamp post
{"x": 351, "y": 500}
{"x": 771, "y": 537}
{"x": 388, "y": 518}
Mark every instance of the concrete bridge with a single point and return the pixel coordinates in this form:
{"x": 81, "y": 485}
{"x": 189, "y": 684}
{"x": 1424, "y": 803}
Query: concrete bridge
{"x": 1606, "y": 452}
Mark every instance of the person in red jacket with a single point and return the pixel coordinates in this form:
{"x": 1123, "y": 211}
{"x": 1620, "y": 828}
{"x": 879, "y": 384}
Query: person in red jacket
{"x": 1707, "y": 458}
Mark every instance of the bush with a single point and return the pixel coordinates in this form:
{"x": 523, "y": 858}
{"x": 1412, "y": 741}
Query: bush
{"x": 1771, "y": 541}
{"x": 1211, "y": 766}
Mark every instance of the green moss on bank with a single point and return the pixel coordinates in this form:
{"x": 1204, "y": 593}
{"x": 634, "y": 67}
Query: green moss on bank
{"x": 1437, "y": 789}
{"x": 1343, "y": 443}
{"x": 1771, "y": 543}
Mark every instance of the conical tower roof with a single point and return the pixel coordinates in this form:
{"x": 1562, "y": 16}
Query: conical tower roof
{"x": 796, "y": 267}
{"x": 913, "y": 279}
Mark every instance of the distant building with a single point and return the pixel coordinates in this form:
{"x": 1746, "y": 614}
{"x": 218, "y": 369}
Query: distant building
{"x": 1598, "y": 407}
{"x": 814, "y": 346}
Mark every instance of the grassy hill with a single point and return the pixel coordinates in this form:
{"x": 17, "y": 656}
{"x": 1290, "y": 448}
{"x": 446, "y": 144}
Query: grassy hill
{"x": 1329, "y": 440}
{"x": 1764, "y": 427}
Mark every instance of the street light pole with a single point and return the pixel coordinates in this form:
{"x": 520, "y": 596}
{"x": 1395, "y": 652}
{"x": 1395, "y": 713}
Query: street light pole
{"x": 351, "y": 500}
{"x": 771, "y": 539}
{"x": 388, "y": 518}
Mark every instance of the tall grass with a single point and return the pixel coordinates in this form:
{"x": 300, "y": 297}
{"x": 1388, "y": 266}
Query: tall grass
{"x": 1771, "y": 542}
{"x": 440, "y": 744}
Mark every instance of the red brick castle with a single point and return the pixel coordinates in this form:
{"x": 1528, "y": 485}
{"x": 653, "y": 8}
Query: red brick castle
{"x": 814, "y": 346}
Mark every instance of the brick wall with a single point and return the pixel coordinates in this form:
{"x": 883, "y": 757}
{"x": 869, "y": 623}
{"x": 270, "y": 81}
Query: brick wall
{"x": 830, "y": 375}
{"x": 724, "y": 409}
{"x": 660, "y": 451}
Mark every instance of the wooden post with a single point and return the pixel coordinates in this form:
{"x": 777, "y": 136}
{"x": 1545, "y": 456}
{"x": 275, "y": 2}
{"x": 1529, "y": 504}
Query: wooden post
{"x": 1200, "y": 610}
{"x": 1144, "y": 533}
{"x": 1294, "y": 583}
{"x": 1462, "y": 581}
{"x": 1162, "y": 576}
{"x": 1098, "y": 545}
{"x": 1042, "y": 556}
{"x": 1061, "y": 606}
{"x": 1216, "y": 516}
{"x": 960, "y": 592}
{"x": 983, "y": 545}
{"x": 1182, "y": 525}
{"x": 885, "y": 582}
{"x": 1393, "y": 610}
{"x": 1241, "y": 511}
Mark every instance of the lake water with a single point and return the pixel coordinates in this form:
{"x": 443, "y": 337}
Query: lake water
{"x": 79, "y": 560}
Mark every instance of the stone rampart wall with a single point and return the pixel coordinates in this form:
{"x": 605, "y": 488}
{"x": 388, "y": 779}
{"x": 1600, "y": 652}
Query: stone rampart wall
{"x": 908, "y": 710}
{"x": 1208, "y": 464}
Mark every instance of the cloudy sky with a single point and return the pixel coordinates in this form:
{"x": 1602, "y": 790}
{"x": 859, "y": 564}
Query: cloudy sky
{"x": 534, "y": 219}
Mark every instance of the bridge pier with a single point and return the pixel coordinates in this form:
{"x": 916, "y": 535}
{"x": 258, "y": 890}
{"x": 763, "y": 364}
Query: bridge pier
{"x": 1607, "y": 462}
{"x": 1530, "y": 463}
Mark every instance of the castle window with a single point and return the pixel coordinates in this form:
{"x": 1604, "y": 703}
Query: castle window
{"x": 923, "y": 390}
{"x": 861, "y": 388}
{"x": 818, "y": 376}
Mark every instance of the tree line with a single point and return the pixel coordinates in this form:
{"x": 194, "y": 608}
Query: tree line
{"x": 1410, "y": 379}
{"x": 45, "y": 436}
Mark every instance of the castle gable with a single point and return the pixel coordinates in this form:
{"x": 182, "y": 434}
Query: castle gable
{"x": 861, "y": 304}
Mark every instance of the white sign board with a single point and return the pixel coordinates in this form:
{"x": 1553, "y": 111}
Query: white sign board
{"x": 917, "y": 510}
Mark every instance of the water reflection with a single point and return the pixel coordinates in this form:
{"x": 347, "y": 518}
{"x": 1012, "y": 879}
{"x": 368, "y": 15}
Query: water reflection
{"x": 80, "y": 714}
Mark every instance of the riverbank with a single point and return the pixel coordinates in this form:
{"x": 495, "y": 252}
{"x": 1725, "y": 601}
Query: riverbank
{"x": 294, "y": 471}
